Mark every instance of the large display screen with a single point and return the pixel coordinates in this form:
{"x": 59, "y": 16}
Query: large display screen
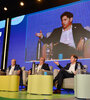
{"x": 25, "y": 46}
{"x": 2, "y": 28}
{"x": 60, "y": 45}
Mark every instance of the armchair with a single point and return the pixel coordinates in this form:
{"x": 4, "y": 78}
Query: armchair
{"x": 2, "y": 73}
{"x": 87, "y": 49}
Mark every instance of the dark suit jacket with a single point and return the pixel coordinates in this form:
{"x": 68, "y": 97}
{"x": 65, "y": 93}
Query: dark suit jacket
{"x": 17, "y": 67}
{"x": 77, "y": 30}
{"x": 68, "y": 65}
{"x": 44, "y": 66}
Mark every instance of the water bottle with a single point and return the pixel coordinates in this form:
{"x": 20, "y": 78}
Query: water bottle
{"x": 85, "y": 69}
{"x": 39, "y": 49}
{"x": 48, "y": 52}
{"x": 78, "y": 69}
{"x": 33, "y": 68}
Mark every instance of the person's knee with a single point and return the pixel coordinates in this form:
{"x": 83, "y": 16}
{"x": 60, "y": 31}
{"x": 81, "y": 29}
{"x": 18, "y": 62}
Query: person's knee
{"x": 62, "y": 70}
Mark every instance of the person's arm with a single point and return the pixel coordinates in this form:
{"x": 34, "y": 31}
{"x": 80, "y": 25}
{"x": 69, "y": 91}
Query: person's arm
{"x": 51, "y": 38}
{"x": 18, "y": 69}
{"x": 45, "y": 67}
{"x": 29, "y": 72}
{"x": 57, "y": 63}
{"x": 75, "y": 72}
{"x": 18, "y": 72}
{"x": 82, "y": 67}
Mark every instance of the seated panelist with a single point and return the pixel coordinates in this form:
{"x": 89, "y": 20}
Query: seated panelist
{"x": 14, "y": 67}
{"x": 66, "y": 72}
{"x": 41, "y": 65}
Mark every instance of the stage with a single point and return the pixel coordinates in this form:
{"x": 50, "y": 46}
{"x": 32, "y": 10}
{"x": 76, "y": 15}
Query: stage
{"x": 24, "y": 96}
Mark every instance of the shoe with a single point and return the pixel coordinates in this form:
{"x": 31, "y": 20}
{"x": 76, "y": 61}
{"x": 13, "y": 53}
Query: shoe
{"x": 56, "y": 91}
{"x": 24, "y": 89}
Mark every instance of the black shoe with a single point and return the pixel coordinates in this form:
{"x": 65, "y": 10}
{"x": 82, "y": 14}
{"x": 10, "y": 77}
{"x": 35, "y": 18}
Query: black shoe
{"x": 56, "y": 91}
{"x": 24, "y": 89}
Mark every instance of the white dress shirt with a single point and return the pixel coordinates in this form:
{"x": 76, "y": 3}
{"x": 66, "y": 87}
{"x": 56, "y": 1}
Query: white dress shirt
{"x": 39, "y": 67}
{"x": 71, "y": 68}
{"x": 11, "y": 70}
{"x": 67, "y": 37}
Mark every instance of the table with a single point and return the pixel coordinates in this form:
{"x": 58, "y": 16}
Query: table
{"x": 9, "y": 82}
{"x": 40, "y": 84}
{"x": 82, "y": 86}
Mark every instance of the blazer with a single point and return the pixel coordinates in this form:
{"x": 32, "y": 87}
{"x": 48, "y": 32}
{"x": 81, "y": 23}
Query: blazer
{"x": 77, "y": 30}
{"x": 44, "y": 66}
{"x": 17, "y": 67}
{"x": 68, "y": 66}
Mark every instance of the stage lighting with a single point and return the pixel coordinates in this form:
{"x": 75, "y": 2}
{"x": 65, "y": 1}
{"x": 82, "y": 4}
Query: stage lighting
{"x": 21, "y": 3}
{"x": 5, "y": 8}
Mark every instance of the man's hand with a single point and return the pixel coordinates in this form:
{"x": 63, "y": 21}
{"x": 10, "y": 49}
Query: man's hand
{"x": 40, "y": 35}
{"x": 56, "y": 62}
{"x": 80, "y": 45}
{"x": 18, "y": 72}
{"x": 75, "y": 72}
{"x": 29, "y": 72}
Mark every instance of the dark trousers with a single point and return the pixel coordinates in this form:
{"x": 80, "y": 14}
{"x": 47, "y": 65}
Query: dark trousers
{"x": 61, "y": 75}
{"x": 66, "y": 50}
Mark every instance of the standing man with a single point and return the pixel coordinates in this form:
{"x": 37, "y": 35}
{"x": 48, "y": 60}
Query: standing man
{"x": 66, "y": 72}
{"x": 41, "y": 65}
{"x": 68, "y": 39}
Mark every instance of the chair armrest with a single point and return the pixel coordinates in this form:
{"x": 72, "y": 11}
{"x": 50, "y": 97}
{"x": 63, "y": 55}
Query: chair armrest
{"x": 2, "y": 73}
{"x": 87, "y": 49}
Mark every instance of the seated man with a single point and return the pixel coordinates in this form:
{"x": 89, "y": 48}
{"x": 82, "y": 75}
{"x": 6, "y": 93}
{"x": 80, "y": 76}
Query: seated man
{"x": 41, "y": 65}
{"x": 14, "y": 67}
{"x": 68, "y": 71}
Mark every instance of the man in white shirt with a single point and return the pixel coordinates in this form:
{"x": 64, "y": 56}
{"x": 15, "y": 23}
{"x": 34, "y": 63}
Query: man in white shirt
{"x": 41, "y": 65}
{"x": 14, "y": 67}
{"x": 66, "y": 72}
{"x": 68, "y": 39}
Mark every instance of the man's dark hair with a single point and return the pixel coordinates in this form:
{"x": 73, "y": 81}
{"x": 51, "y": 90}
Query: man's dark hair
{"x": 75, "y": 57}
{"x": 68, "y": 14}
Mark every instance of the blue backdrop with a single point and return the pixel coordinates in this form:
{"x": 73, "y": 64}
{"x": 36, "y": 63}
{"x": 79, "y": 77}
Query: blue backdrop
{"x": 2, "y": 28}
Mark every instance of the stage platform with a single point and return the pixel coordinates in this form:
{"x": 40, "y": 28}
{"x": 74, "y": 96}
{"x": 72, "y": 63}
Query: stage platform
{"x": 23, "y": 95}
